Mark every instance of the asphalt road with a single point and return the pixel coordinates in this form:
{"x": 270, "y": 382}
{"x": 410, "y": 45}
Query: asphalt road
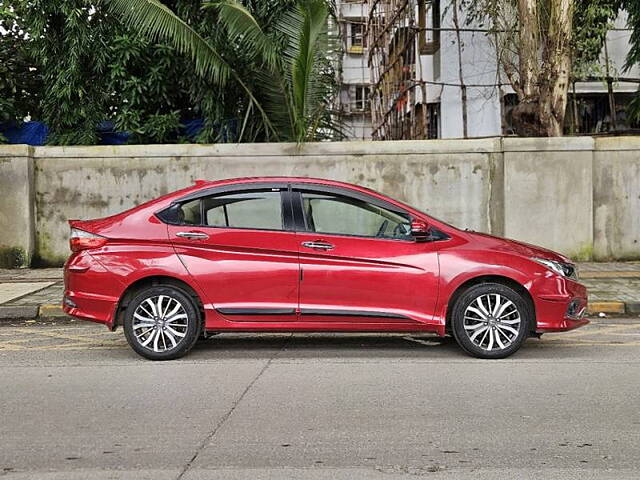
{"x": 76, "y": 403}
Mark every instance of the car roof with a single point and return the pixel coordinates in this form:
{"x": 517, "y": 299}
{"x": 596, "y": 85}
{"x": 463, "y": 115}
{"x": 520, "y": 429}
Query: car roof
{"x": 206, "y": 184}
{"x": 276, "y": 179}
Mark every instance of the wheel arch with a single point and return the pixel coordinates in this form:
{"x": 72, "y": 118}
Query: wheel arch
{"x": 151, "y": 281}
{"x": 509, "y": 282}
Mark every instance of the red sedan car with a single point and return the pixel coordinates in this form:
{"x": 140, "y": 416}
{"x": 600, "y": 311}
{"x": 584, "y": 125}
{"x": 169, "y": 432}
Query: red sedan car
{"x": 300, "y": 254}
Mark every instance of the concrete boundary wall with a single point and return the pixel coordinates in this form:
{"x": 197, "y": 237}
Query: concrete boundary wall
{"x": 580, "y": 195}
{"x": 17, "y": 216}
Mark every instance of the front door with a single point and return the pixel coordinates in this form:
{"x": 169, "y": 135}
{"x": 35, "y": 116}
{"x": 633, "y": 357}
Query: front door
{"x": 360, "y": 264}
{"x": 237, "y": 249}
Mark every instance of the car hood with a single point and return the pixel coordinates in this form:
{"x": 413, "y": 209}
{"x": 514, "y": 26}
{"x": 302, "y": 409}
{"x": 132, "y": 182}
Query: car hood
{"x": 506, "y": 245}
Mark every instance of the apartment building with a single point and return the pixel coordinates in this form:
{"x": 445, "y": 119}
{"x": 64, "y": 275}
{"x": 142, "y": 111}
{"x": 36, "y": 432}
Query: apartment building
{"x": 354, "y": 76}
{"x": 409, "y": 65}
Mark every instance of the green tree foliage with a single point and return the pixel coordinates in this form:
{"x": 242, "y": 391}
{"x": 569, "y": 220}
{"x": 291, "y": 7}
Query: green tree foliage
{"x": 633, "y": 57}
{"x": 74, "y": 64}
{"x": 591, "y": 22}
{"x": 286, "y": 75}
{"x": 19, "y": 84}
{"x": 69, "y": 47}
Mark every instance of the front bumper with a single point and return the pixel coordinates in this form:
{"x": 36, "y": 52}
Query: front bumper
{"x": 560, "y": 303}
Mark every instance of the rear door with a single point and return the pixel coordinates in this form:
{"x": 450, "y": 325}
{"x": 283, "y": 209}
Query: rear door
{"x": 360, "y": 264}
{"x": 238, "y": 247}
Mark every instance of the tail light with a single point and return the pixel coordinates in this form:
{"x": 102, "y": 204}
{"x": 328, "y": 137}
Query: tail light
{"x": 81, "y": 240}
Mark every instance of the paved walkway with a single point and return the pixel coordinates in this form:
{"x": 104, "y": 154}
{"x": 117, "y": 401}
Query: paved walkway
{"x": 613, "y": 288}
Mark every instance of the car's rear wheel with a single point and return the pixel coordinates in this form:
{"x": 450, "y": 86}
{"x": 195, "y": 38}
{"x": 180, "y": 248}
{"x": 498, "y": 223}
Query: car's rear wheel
{"x": 161, "y": 323}
{"x": 491, "y": 320}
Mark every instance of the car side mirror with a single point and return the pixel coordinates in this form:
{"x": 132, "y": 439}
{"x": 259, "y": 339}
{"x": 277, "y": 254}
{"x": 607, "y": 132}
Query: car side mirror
{"x": 420, "y": 230}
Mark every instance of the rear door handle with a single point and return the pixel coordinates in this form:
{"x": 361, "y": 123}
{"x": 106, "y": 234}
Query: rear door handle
{"x": 193, "y": 235}
{"x": 318, "y": 245}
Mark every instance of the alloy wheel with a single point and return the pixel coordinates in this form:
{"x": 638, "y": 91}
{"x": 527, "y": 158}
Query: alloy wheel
{"x": 160, "y": 323}
{"x": 492, "y": 322}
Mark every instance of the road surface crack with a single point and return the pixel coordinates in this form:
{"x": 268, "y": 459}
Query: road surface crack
{"x": 226, "y": 416}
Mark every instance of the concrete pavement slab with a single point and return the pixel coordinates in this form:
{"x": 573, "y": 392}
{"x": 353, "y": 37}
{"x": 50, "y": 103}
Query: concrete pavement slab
{"x": 11, "y": 291}
{"x": 30, "y": 274}
{"x": 52, "y": 295}
{"x": 592, "y": 267}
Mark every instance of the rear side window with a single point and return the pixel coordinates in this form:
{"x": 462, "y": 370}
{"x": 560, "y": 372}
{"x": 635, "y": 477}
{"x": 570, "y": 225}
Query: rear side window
{"x": 190, "y": 213}
{"x": 254, "y": 210}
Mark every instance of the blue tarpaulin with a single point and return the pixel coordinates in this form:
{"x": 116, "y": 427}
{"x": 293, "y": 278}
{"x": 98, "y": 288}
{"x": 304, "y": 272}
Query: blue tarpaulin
{"x": 36, "y": 133}
{"x": 109, "y": 136}
{"x": 30, "y": 133}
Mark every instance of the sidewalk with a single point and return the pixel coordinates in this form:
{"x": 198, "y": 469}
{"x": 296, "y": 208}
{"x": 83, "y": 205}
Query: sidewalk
{"x": 614, "y": 288}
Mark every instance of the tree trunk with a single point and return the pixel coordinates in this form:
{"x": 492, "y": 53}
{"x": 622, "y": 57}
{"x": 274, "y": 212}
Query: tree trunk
{"x": 529, "y": 48}
{"x": 544, "y": 69}
{"x": 526, "y": 115}
{"x": 557, "y": 72}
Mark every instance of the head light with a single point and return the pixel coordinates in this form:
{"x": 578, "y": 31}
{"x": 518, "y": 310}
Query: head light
{"x": 561, "y": 268}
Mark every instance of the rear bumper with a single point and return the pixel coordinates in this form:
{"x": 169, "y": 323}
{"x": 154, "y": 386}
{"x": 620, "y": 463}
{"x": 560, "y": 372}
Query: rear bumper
{"x": 90, "y": 291}
{"x": 560, "y": 304}
{"x": 88, "y": 308}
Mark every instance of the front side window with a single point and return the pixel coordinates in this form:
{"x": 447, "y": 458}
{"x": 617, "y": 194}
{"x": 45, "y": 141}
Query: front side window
{"x": 326, "y": 213}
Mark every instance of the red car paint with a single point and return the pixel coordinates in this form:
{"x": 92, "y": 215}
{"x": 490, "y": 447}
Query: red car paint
{"x": 409, "y": 284}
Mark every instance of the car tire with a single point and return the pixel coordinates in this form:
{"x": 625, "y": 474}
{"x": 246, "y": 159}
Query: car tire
{"x": 491, "y": 320}
{"x": 162, "y": 323}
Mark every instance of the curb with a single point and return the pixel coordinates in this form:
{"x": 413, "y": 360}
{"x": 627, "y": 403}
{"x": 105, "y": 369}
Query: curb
{"x": 618, "y": 308}
{"x": 30, "y": 312}
{"x": 54, "y": 310}
{"x": 606, "y": 307}
{"x": 18, "y": 312}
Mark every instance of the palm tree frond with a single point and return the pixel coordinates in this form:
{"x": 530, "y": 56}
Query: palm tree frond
{"x": 155, "y": 20}
{"x": 243, "y": 29}
{"x": 304, "y": 27}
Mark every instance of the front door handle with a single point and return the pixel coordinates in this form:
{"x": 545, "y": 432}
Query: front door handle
{"x": 193, "y": 235}
{"x": 318, "y": 245}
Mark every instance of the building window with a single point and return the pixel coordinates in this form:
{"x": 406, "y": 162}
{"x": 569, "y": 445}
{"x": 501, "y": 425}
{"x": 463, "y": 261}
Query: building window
{"x": 362, "y": 98}
{"x": 356, "y": 37}
{"x": 359, "y": 98}
{"x": 425, "y": 122}
{"x": 355, "y": 98}
{"x": 429, "y": 25}
{"x": 433, "y": 120}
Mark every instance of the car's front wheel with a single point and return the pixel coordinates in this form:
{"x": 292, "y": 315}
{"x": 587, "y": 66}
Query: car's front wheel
{"x": 491, "y": 320}
{"x": 161, "y": 323}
